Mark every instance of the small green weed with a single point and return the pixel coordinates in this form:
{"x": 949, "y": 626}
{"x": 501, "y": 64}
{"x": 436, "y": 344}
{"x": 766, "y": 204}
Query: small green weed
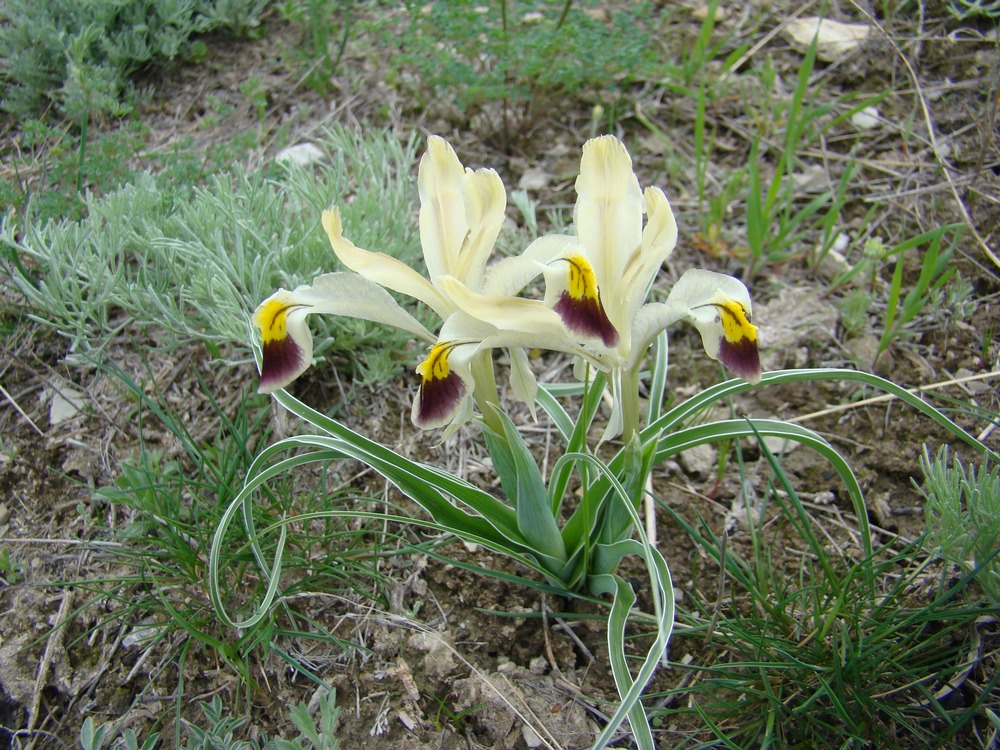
{"x": 935, "y": 272}
{"x": 963, "y": 516}
{"x": 524, "y": 56}
{"x": 53, "y": 168}
{"x": 11, "y": 570}
{"x": 327, "y": 27}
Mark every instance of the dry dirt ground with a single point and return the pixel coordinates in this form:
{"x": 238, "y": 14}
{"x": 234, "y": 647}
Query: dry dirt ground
{"x": 437, "y": 651}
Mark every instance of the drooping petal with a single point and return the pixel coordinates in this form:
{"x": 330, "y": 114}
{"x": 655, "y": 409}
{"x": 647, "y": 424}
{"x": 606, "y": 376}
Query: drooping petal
{"x": 286, "y": 342}
{"x": 281, "y": 319}
{"x": 579, "y": 303}
{"x": 522, "y": 380}
{"x": 572, "y": 289}
{"x": 719, "y": 307}
{"x": 442, "y": 389}
{"x": 380, "y": 268}
{"x": 608, "y": 213}
{"x": 443, "y": 225}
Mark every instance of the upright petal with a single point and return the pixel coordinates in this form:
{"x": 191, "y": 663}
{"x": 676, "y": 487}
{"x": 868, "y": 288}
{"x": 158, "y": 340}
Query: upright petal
{"x": 608, "y": 212}
{"x": 443, "y": 226}
{"x": 281, "y": 318}
{"x": 659, "y": 237}
{"x": 485, "y": 207}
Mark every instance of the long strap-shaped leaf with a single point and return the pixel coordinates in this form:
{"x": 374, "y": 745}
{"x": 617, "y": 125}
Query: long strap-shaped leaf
{"x": 630, "y": 689}
{"x": 469, "y": 528}
{"x": 698, "y": 403}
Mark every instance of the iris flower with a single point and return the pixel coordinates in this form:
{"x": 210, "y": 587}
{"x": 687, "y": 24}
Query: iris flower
{"x": 461, "y": 212}
{"x": 597, "y": 281}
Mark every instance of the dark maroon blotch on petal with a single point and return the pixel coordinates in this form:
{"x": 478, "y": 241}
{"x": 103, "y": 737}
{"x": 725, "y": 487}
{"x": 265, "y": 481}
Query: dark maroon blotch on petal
{"x": 282, "y": 359}
{"x": 438, "y": 398}
{"x": 586, "y": 316}
{"x": 742, "y": 358}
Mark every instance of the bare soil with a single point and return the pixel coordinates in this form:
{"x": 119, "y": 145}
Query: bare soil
{"x": 446, "y": 666}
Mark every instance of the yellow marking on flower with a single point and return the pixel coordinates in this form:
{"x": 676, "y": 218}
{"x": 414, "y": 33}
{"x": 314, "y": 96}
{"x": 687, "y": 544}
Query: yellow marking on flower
{"x": 736, "y": 325}
{"x": 580, "y": 305}
{"x": 441, "y": 389}
{"x": 272, "y": 320}
{"x": 582, "y": 283}
{"x": 435, "y": 367}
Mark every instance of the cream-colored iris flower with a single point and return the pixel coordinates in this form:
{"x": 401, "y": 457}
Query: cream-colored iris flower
{"x": 461, "y": 213}
{"x": 597, "y": 283}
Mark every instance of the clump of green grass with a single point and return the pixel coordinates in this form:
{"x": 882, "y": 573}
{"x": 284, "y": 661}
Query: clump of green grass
{"x": 831, "y": 651}
{"x": 526, "y": 56}
{"x": 161, "y": 513}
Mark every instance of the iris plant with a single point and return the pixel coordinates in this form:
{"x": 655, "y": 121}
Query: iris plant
{"x": 595, "y": 308}
{"x": 596, "y": 284}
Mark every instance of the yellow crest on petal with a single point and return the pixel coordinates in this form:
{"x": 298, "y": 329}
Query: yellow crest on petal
{"x": 580, "y": 305}
{"x": 283, "y": 358}
{"x": 271, "y": 317}
{"x": 736, "y": 325}
{"x": 435, "y": 367}
{"x": 441, "y": 389}
{"x": 581, "y": 282}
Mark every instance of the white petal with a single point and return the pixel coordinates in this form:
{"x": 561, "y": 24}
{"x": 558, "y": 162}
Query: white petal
{"x": 485, "y": 209}
{"x": 522, "y": 380}
{"x": 719, "y": 307}
{"x": 382, "y": 269}
{"x": 509, "y": 276}
{"x": 608, "y": 214}
{"x": 287, "y": 340}
{"x": 440, "y": 184}
{"x": 659, "y": 237}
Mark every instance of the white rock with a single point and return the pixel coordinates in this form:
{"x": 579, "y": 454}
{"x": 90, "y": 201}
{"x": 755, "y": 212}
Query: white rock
{"x": 866, "y": 119}
{"x": 699, "y": 460}
{"x": 834, "y": 38}
{"x": 534, "y": 179}
{"x": 302, "y": 154}
{"x": 66, "y": 403}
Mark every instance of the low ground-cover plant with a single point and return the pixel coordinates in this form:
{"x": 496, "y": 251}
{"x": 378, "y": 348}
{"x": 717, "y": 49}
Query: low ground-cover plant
{"x": 594, "y": 308}
{"x": 78, "y": 57}
{"x": 523, "y": 56}
{"x": 187, "y": 261}
{"x": 963, "y": 516}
